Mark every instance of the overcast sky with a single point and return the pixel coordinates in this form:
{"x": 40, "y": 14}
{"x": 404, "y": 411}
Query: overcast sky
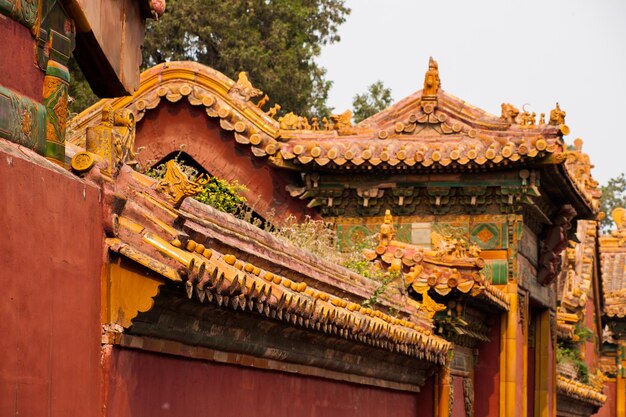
{"x": 489, "y": 52}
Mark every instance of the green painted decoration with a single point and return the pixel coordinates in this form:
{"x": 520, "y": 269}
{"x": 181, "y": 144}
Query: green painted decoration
{"x": 496, "y": 271}
{"x": 22, "y": 120}
{"x": 22, "y": 11}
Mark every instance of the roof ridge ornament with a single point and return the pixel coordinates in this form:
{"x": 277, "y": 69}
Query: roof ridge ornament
{"x": 243, "y": 88}
{"x": 619, "y": 218}
{"x": 112, "y": 140}
{"x": 432, "y": 83}
{"x": 176, "y": 185}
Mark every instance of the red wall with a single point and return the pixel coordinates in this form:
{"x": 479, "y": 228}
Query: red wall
{"x": 591, "y": 354}
{"x": 458, "y": 406}
{"x": 18, "y": 64}
{"x": 143, "y": 384}
{"x": 608, "y": 409}
{"x": 50, "y": 265}
{"x": 426, "y": 398}
{"x": 172, "y": 125}
{"x": 487, "y": 375}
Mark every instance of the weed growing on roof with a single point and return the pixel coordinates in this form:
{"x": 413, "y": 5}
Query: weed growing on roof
{"x": 386, "y": 278}
{"x": 224, "y": 195}
{"x": 316, "y": 236}
{"x": 320, "y": 238}
{"x": 569, "y": 353}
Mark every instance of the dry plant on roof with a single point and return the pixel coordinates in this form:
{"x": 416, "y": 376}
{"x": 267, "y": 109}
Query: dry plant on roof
{"x": 316, "y": 236}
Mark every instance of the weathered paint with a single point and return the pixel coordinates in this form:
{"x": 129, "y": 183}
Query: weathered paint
{"x": 609, "y": 408}
{"x": 532, "y": 363}
{"x": 17, "y": 50}
{"x": 426, "y": 398}
{"x": 591, "y": 345}
{"x": 50, "y": 260}
{"x": 458, "y": 405}
{"x": 152, "y": 385}
{"x": 171, "y": 126}
{"x": 487, "y": 375}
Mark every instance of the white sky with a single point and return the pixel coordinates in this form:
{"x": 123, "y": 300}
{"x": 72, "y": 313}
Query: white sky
{"x": 489, "y": 52}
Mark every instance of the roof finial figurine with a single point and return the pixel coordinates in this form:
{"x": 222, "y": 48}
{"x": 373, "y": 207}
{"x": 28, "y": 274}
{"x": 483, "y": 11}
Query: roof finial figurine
{"x": 272, "y": 112}
{"x": 243, "y": 88}
{"x": 326, "y": 124}
{"x": 509, "y": 113}
{"x": 343, "y": 121}
{"x": 431, "y": 81}
{"x": 263, "y": 101}
{"x": 315, "y": 125}
{"x": 387, "y": 231}
{"x": 557, "y": 116}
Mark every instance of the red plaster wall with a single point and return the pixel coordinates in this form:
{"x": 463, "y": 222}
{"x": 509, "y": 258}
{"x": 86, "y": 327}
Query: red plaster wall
{"x": 591, "y": 353}
{"x": 172, "y": 125}
{"x": 17, "y": 66}
{"x": 458, "y": 406}
{"x": 50, "y": 265}
{"x": 143, "y": 384}
{"x": 552, "y": 373}
{"x": 530, "y": 393}
{"x": 487, "y": 375}
{"x": 426, "y": 398}
{"x": 608, "y": 409}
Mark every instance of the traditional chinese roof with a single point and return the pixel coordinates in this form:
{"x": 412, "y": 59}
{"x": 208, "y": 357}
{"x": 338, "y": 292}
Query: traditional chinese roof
{"x": 425, "y": 133}
{"x": 576, "y": 278}
{"x": 417, "y": 132}
{"x": 199, "y": 85}
{"x": 428, "y": 129}
{"x": 232, "y": 264}
{"x": 452, "y": 265}
{"x": 578, "y": 169}
{"x": 564, "y": 330}
{"x": 579, "y": 391}
{"x": 445, "y": 134}
{"x": 613, "y": 264}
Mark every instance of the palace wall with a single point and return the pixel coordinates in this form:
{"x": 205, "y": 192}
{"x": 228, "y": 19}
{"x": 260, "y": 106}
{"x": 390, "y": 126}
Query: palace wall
{"x": 487, "y": 375}
{"x": 143, "y": 384}
{"x": 591, "y": 345}
{"x": 17, "y": 51}
{"x": 50, "y": 265}
{"x": 609, "y": 409}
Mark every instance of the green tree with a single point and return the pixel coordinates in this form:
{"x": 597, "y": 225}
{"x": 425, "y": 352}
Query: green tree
{"x": 613, "y": 196}
{"x": 377, "y": 98}
{"x": 275, "y": 41}
{"x": 80, "y": 93}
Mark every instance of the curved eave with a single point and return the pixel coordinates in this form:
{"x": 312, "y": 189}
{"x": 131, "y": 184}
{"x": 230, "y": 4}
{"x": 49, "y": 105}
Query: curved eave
{"x": 402, "y": 166}
{"x": 151, "y": 231}
{"x": 455, "y": 152}
{"x": 562, "y": 189}
{"x": 199, "y": 86}
{"x": 579, "y": 391}
{"x": 480, "y": 289}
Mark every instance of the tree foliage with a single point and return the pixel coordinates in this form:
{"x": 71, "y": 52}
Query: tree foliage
{"x": 377, "y": 98}
{"x": 275, "y": 41}
{"x": 80, "y": 93}
{"x": 613, "y": 196}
